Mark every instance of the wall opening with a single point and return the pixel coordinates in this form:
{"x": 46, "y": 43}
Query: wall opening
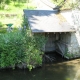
{"x": 57, "y": 44}
{"x": 52, "y": 57}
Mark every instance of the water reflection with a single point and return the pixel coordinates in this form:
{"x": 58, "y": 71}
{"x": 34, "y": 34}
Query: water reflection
{"x": 59, "y": 70}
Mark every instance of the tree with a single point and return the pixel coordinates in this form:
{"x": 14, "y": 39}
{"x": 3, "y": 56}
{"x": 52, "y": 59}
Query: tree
{"x": 7, "y": 1}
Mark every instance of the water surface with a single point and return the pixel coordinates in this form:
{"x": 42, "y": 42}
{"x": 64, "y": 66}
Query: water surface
{"x": 60, "y": 69}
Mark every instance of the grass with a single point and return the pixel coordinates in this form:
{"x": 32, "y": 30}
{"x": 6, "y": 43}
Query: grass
{"x": 16, "y": 20}
{"x": 13, "y": 13}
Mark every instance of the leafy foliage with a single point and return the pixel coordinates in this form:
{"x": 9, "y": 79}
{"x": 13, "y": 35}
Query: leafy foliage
{"x": 76, "y": 4}
{"x": 67, "y": 4}
{"x": 19, "y": 46}
{"x": 58, "y": 2}
{"x": 34, "y": 53}
{"x": 9, "y": 48}
{"x": 3, "y": 3}
{"x": 63, "y": 4}
{"x": 8, "y": 1}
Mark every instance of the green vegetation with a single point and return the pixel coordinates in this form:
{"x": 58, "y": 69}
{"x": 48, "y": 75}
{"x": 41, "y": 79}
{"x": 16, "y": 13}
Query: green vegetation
{"x": 76, "y": 4}
{"x": 1, "y": 25}
{"x": 67, "y": 4}
{"x": 13, "y": 12}
{"x": 58, "y": 2}
{"x": 69, "y": 56}
{"x": 17, "y": 47}
{"x": 9, "y": 4}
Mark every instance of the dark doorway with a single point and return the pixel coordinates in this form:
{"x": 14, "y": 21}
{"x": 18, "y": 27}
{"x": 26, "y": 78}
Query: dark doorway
{"x": 52, "y": 57}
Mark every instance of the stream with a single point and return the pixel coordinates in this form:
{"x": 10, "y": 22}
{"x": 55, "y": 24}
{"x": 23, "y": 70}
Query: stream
{"x": 59, "y": 69}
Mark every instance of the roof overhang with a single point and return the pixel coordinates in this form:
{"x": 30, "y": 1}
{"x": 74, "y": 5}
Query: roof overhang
{"x": 47, "y": 21}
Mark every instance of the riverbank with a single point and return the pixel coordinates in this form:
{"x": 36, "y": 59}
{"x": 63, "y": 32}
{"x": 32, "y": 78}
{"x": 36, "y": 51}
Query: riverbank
{"x": 59, "y": 69}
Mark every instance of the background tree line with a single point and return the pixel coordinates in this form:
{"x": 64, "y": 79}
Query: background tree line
{"x": 7, "y": 2}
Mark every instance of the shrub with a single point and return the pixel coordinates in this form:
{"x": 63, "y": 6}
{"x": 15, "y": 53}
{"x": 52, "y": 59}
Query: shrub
{"x": 33, "y": 50}
{"x": 11, "y": 48}
{"x": 19, "y": 46}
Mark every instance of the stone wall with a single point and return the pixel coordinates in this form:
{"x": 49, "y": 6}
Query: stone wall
{"x": 73, "y": 46}
{"x": 66, "y": 44}
{"x": 72, "y": 40}
{"x": 69, "y": 45}
{"x": 50, "y": 44}
{"x": 63, "y": 43}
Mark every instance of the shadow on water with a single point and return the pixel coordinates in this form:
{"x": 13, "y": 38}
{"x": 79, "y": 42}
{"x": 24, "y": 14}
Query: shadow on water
{"x": 59, "y": 69}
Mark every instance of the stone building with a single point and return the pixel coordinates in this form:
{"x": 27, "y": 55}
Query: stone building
{"x": 62, "y": 29}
